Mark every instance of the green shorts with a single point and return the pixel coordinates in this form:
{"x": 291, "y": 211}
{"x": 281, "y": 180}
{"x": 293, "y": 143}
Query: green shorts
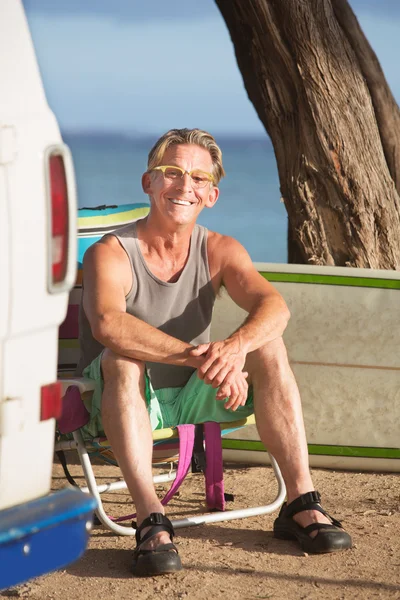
{"x": 167, "y": 407}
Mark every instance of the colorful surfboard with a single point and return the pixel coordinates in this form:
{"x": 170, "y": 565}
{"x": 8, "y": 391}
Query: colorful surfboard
{"x": 93, "y": 223}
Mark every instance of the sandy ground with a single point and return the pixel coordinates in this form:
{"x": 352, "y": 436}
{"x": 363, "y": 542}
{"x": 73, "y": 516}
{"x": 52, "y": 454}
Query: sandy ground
{"x": 240, "y": 559}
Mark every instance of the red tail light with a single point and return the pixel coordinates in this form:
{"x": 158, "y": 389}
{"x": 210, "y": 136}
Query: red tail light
{"x": 59, "y": 218}
{"x": 50, "y": 401}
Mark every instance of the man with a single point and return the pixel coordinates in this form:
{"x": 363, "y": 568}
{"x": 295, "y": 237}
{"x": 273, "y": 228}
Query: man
{"x": 149, "y": 290}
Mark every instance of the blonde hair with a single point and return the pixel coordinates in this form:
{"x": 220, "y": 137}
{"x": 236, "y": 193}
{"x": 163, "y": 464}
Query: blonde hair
{"x": 188, "y": 136}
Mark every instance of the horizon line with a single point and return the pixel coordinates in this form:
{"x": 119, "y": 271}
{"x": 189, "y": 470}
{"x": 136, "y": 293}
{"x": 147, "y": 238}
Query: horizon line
{"x": 145, "y": 135}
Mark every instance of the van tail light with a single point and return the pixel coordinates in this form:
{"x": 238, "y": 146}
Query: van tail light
{"x": 62, "y": 216}
{"x": 59, "y": 218}
{"x": 50, "y": 401}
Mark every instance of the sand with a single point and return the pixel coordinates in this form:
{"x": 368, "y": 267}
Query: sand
{"x": 240, "y": 559}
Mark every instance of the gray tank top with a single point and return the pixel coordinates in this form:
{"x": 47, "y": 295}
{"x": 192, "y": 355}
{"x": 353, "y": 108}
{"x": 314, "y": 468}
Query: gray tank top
{"x": 182, "y": 309}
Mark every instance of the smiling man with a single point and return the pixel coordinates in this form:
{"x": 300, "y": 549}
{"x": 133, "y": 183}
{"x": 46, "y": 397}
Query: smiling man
{"x": 149, "y": 291}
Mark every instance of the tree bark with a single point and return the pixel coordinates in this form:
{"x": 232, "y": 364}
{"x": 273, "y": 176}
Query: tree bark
{"x": 387, "y": 112}
{"x": 306, "y": 84}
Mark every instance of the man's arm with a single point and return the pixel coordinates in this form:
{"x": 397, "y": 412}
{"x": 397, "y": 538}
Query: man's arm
{"x": 268, "y": 313}
{"x": 107, "y": 280}
{"x": 223, "y": 361}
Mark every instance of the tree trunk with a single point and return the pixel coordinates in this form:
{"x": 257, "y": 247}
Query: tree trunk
{"x": 305, "y": 81}
{"x": 387, "y": 112}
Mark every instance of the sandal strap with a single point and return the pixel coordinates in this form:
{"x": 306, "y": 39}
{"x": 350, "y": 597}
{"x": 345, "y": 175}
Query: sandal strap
{"x": 157, "y": 523}
{"x": 318, "y": 527}
{"x": 308, "y": 501}
{"x": 161, "y": 548}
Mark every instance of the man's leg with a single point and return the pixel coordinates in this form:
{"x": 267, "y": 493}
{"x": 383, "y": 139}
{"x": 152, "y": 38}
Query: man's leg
{"x": 127, "y": 426}
{"x": 280, "y": 423}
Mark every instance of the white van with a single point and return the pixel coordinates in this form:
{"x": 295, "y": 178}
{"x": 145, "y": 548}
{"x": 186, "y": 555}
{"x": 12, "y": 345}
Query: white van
{"x": 37, "y": 270}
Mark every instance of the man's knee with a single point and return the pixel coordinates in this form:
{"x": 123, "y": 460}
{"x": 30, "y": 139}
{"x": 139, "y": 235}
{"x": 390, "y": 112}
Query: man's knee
{"x": 272, "y": 354}
{"x": 119, "y": 368}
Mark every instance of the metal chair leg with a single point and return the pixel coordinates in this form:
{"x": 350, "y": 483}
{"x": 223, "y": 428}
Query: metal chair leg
{"x": 240, "y": 513}
{"x": 215, "y": 517}
{"x": 96, "y": 489}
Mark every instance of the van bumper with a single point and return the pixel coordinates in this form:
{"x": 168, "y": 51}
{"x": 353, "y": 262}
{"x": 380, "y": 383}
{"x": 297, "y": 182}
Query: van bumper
{"x": 43, "y": 535}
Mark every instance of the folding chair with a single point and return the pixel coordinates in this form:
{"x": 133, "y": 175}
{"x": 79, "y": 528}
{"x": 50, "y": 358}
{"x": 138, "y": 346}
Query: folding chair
{"x": 77, "y": 391}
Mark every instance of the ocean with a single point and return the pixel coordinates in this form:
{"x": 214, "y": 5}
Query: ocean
{"x": 109, "y": 167}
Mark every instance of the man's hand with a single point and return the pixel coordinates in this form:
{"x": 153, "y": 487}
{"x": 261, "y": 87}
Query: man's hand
{"x": 222, "y": 368}
{"x": 235, "y": 390}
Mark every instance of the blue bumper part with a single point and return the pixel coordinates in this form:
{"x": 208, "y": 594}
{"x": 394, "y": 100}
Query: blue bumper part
{"x": 43, "y": 535}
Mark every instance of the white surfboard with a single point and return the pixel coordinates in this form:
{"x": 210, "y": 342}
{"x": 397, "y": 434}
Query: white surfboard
{"x": 343, "y": 345}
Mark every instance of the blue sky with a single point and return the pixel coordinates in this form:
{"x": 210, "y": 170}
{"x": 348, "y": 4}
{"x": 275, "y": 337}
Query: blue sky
{"x": 144, "y": 66}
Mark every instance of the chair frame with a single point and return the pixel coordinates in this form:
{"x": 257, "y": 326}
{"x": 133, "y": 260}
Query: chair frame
{"x": 78, "y": 443}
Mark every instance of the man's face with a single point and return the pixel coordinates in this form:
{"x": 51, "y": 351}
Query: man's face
{"x": 179, "y": 200}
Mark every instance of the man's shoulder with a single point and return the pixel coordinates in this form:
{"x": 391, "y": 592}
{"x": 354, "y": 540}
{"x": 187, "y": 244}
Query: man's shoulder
{"x": 222, "y": 244}
{"x": 105, "y": 251}
{"x": 223, "y": 251}
{"x": 106, "y": 263}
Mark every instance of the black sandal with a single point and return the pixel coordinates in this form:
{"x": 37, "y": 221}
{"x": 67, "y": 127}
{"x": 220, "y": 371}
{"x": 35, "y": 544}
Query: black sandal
{"x": 330, "y": 538}
{"x": 161, "y": 560}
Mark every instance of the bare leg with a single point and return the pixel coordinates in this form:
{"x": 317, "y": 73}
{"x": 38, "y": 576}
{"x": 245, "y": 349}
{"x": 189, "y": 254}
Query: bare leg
{"x": 127, "y": 426}
{"x": 280, "y": 423}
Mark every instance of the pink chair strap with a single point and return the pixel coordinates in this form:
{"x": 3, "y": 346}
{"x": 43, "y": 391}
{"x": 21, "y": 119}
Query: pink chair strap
{"x": 214, "y": 472}
{"x": 186, "y": 441}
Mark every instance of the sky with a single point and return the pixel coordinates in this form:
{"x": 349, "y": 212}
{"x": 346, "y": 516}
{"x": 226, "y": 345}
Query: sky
{"x": 143, "y": 66}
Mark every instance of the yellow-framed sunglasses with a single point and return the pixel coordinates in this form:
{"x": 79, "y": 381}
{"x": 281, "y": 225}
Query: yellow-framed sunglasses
{"x": 199, "y": 178}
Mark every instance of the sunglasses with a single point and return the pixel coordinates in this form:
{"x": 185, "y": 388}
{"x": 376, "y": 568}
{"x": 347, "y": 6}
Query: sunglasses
{"x": 199, "y": 178}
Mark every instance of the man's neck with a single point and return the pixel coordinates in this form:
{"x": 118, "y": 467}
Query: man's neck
{"x": 164, "y": 239}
